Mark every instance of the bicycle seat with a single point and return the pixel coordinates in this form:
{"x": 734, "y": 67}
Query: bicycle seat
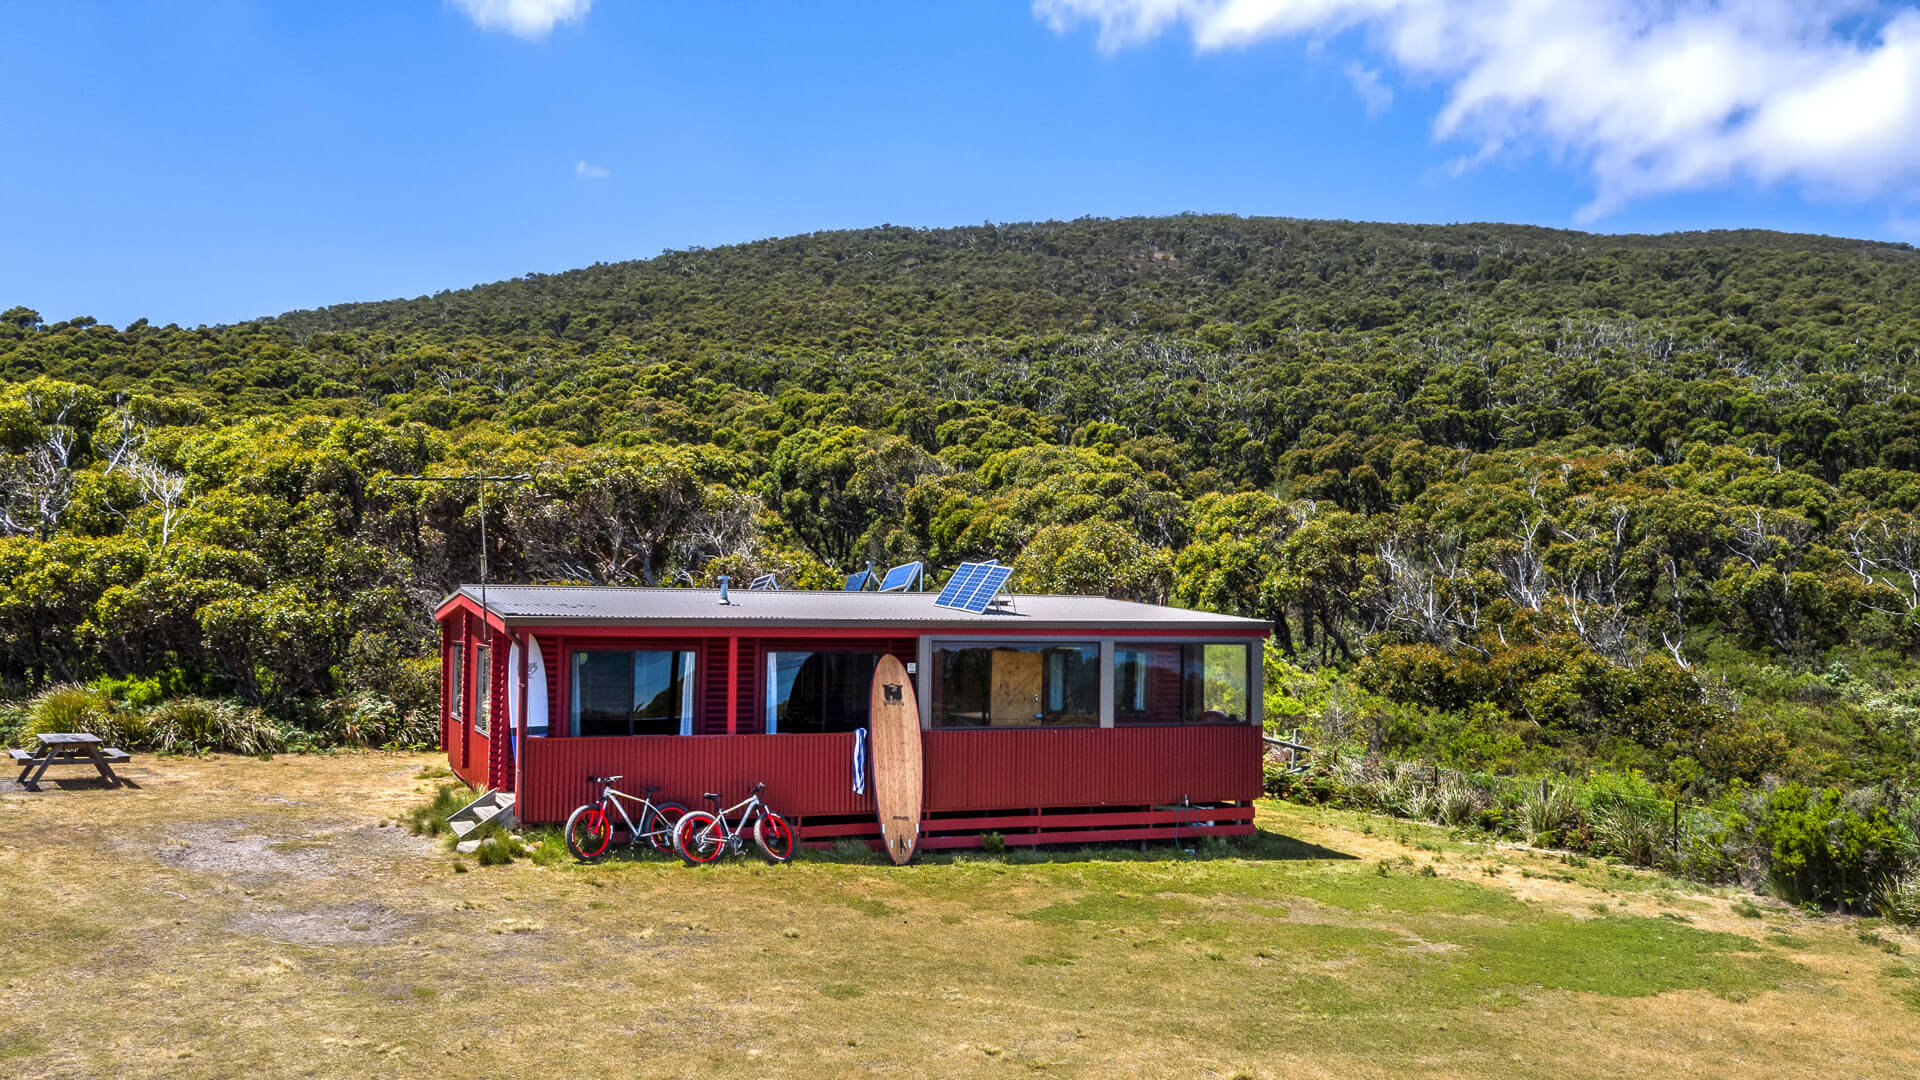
{"x": 710, "y": 795}
{"x": 650, "y": 790}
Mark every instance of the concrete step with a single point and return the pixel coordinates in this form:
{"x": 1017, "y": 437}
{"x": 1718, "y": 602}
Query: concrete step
{"x": 490, "y": 806}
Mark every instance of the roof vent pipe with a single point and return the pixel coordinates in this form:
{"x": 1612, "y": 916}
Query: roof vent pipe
{"x": 723, "y": 589}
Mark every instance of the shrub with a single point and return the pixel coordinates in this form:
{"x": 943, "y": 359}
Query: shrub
{"x": 993, "y": 843}
{"x": 1823, "y": 851}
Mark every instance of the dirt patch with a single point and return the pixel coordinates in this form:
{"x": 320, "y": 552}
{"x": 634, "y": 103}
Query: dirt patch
{"x": 331, "y": 924}
{"x": 243, "y": 850}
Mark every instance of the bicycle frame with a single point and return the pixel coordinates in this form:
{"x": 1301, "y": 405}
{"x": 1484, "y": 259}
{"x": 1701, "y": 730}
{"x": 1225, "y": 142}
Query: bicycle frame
{"x": 613, "y": 795}
{"x": 734, "y": 835}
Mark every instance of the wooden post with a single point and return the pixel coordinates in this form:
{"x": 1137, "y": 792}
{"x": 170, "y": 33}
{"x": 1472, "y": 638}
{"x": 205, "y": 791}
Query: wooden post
{"x": 733, "y": 684}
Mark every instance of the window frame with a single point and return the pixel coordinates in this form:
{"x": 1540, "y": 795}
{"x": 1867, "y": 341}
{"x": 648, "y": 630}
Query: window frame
{"x": 483, "y": 689}
{"x": 457, "y": 682}
{"x": 769, "y": 703}
{"x": 930, "y": 683}
{"x": 1252, "y": 686}
{"x": 690, "y": 695}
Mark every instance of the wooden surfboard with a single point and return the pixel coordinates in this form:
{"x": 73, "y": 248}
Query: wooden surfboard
{"x": 895, "y": 719}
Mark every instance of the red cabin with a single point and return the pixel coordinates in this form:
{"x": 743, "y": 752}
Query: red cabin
{"x": 1049, "y": 719}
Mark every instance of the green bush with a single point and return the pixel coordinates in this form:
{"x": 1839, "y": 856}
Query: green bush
{"x": 1822, "y": 850}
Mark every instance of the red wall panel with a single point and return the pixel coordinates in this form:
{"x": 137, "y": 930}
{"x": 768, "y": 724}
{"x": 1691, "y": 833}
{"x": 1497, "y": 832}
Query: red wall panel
{"x": 809, "y": 775}
{"x": 989, "y": 770}
{"x": 804, "y": 774}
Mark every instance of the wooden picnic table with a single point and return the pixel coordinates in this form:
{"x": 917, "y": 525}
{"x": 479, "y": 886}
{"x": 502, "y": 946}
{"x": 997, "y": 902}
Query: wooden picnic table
{"x": 66, "y": 748}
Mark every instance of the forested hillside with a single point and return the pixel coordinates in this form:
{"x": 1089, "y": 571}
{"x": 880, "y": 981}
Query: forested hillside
{"x": 1514, "y": 498}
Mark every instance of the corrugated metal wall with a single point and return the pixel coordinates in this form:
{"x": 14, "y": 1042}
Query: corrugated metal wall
{"x": 991, "y": 770}
{"x": 809, "y": 775}
{"x": 804, "y": 774}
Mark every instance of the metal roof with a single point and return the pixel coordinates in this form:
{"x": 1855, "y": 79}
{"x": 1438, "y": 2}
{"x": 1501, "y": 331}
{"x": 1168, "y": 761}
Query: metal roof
{"x": 603, "y": 604}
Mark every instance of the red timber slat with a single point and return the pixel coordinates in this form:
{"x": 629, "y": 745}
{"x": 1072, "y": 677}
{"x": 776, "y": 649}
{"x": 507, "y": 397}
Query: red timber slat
{"x": 1057, "y": 822}
{"x": 804, "y": 774}
{"x": 1088, "y": 836}
{"x": 985, "y": 769}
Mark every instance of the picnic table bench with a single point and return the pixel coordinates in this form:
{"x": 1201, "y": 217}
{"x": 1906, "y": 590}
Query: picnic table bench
{"x": 67, "y": 748}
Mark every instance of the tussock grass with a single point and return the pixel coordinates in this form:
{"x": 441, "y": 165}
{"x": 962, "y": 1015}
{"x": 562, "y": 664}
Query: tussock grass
{"x": 430, "y": 818}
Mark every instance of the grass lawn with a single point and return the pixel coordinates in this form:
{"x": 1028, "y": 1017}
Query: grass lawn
{"x": 234, "y": 917}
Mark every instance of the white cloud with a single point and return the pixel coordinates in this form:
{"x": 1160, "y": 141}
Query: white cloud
{"x": 1376, "y": 95}
{"x": 530, "y": 19}
{"x": 592, "y": 172}
{"x": 1648, "y": 96}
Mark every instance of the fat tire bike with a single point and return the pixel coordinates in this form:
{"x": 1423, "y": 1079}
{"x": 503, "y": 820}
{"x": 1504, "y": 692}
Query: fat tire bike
{"x": 703, "y": 836}
{"x": 589, "y": 830}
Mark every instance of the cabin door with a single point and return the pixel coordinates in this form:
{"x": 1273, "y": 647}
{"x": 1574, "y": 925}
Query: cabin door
{"x": 1016, "y": 688}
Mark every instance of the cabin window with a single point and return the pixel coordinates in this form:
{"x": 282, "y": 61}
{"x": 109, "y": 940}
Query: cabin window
{"x": 819, "y": 691}
{"x": 456, "y": 688}
{"x": 632, "y": 692}
{"x": 1016, "y": 684}
{"x": 482, "y": 681}
{"x": 1180, "y": 684}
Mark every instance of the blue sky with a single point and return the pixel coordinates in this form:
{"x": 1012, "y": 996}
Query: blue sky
{"x": 208, "y": 162}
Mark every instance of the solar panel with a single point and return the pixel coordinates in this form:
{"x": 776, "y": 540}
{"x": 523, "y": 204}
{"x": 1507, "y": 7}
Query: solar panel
{"x": 765, "y": 581}
{"x": 984, "y": 590}
{"x": 973, "y": 586}
{"x": 962, "y": 579}
{"x": 859, "y": 581}
{"x": 901, "y": 578}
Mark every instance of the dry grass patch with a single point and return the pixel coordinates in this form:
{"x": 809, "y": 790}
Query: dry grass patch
{"x": 241, "y": 917}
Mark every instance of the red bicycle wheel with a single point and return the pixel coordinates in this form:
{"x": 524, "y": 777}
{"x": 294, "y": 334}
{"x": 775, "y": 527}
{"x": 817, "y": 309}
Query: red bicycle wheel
{"x": 589, "y": 833}
{"x": 774, "y": 836}
{"x": 697, "y": 838}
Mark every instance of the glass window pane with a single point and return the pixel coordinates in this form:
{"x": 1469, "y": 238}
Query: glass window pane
{"x": 1216, "y": 684}
{"x": 819, "y": 691}
{"x": 456, "y": 683}
{"x": 1147, "y": 684}
{"x": 1016, "y": 685}
{"x": 482, "y": 682}
{"x": 602, "y": 692}
{"x": 632, "y": 692}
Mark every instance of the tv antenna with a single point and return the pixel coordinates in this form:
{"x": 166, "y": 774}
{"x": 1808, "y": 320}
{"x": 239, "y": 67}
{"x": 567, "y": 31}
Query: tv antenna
{"x": 482, "y": 480}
